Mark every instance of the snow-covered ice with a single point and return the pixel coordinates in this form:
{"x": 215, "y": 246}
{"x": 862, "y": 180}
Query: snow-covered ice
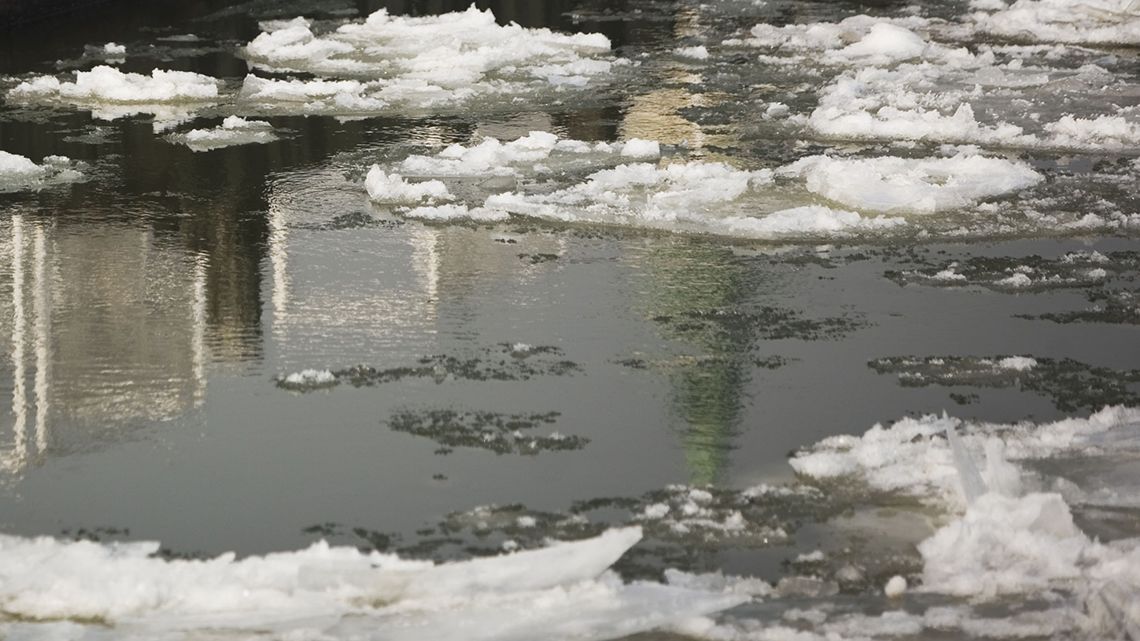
{"x": 84, "y": 589}
{"x": 894, "y": 184}
{"x": 234, "y": 130}
{"x": 18, "y": 173}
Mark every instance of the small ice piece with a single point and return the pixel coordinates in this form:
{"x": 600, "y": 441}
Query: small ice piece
{"x": 776, "y": 110}
{"x": 895, "y": 587}
{"x": 113, "y": 49}
{"x": 1067, "y": 21}
{"x": 886, "y": 43}
{"x": 1018, "y": 363}
{"x": 811, "y": 557}
{"x": 521, "y": 349}
{"x": 807, "y": 220}
{"x": 718, "y": 582}
{"x": 526, "y": 521}
{"x": 696, "y": 53}
{"x": 892, "y": 184}
{"x": 448, "y": 213}
{"x": 310, "y": 377}
{"x": 655, "y": 511}
{"x": 1097, "y": 274}
{"x": 234, "y": 130}
{"x": 639, "y": 148}
{"x": 392, "y": 188}
{"x": 18, "y": 173}
{"x": 948, "y": 275}
{"x": 1017, "y": 281}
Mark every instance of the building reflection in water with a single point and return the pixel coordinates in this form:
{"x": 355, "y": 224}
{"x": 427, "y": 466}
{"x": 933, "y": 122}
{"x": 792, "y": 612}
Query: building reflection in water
{"x": 707, "y": 390}
{"x": 108, "y": 330}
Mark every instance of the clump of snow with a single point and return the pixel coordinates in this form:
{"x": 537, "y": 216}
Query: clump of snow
{"x": 1015, "y": 281}
{"x": 446, "y": 213}
{"x": 1019, "y": 363}
{"x": 895, "y": 587}
{"x": 890, "y": 184}
{"x": 696, "y": 53}
{"x": 234, "y": 130}
{"x": 886, "y": 43}
{"x": 558, "y": 592}
{"x": 18, "y": 173}
{"x": 393, "y": 188}
{"x": 638, "y": 148}
{"x": 310, "y": 378}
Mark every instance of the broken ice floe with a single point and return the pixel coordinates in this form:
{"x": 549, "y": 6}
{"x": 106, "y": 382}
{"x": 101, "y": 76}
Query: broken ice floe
{"x": 1071, "y": 385}
{"x": 171, "y": 96}
{"x": 1028, "y": 273}
{"x": 234, "y": 130}
{"x": 501, "y": 363}
{"x": 90, "y": 590}
{"x": 18, "y": 173}
{"x": 493, "y": 431}
{"x": 403, "y": 62}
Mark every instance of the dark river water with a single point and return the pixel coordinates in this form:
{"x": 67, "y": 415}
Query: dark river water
{"x": 571, "y": 373}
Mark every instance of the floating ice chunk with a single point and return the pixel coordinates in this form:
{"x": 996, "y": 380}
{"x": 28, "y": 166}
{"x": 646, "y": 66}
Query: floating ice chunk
{"x": 696, "y": 53}
{"x": 895, "y": 587}
{"x": 1101, "y": 132}
{"x": 18, "y": 173}
{"x": 814, "y": 556}
{"x": 890, "y": 184}
{"x": 113, "y": 49}
{"x": 1070, "y": 21}
{"x": 442, "y": 213}
{"x": 392, "y": 188}
{"x": 107, "y": 84}
{"x": 638, "y": 148}
{"x": 1019, "y": 363}
{"x": 1015, "y": 281}
{"x": 1005, "y": 545}
{"x": 338, "y": 593}
{"x": 718, "y": 582}
{"x": 912, "y": 457}
{"x": 310, "y": 378}
{"x": 171, "y": 96}
{"x": 234, "y": 130}
{"x": 886, "y": 43}
{"x": 805, "y": 221}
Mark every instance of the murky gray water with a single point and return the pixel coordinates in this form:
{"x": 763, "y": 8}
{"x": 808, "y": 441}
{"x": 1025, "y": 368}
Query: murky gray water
{"x": 148, "y": 314}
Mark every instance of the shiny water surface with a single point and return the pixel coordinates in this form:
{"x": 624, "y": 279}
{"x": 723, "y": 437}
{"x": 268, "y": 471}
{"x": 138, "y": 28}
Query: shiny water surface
{"x": 149, "y": 315}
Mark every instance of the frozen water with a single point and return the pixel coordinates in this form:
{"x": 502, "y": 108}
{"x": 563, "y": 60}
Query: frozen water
{"x": 234, "y": 130}
{"x": 18, "y": 173}
{"x": 337, "y": 593}
{"x": 891, "y": 184}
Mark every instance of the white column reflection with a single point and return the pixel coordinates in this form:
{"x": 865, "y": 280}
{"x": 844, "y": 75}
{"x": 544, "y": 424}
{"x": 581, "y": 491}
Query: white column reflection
{"x": 41, "y": 301}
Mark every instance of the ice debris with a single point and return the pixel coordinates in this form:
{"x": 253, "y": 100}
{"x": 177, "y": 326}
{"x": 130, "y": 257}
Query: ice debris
{"x": 234, "y": 130}
{"x": 562, "y": 591}
{"x": 18, "y": 173}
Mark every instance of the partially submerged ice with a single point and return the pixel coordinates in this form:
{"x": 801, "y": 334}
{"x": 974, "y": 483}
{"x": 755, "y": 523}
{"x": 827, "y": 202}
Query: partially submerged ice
{"x": 233, "y": 131}
{"x": 81, "y": 589}
{"x": 543, "y": 176}
{"x": 18, "y": 173}
{"x": 171, "y": 96}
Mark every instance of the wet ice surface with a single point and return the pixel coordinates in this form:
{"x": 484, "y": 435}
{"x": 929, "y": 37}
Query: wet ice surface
{"x": 270, "y": 281}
